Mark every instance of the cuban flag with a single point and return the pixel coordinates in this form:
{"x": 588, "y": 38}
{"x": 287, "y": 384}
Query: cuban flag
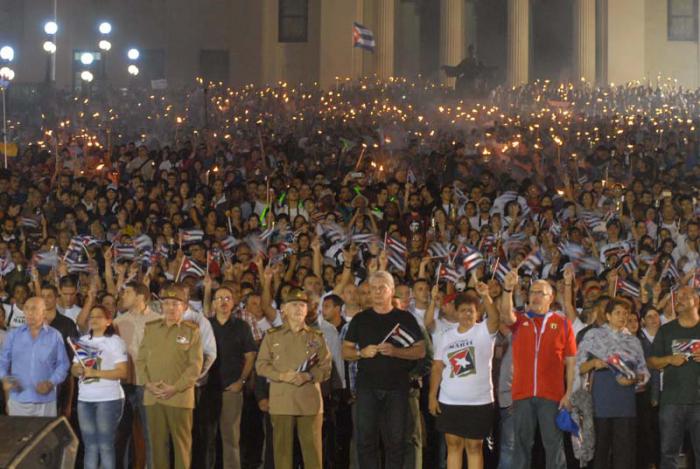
{"x": 46, "y": 258}
{"x": 29, "y": 222}
{"x": 396, "y": 246}
{"x": 500, "y": 271}
{"x": 77, "y": 267}
{"x": 438, "y": 249}
{"x": 228, "y": 243}
{"x": 191, "y": 236}
{"x": 124, "y": 252}
{"x": 364, "y": 238}
{"x": 533, "y": 261}
{"x": 628, "y": 287}
{"x": 472, "y": 260}
{"x": 6, "y": 265}
{"x": 87, "y": 355}
{"x": 309, "y": 363}
{"x": 399, "y": 336}
{"x": 362, "y": 37}
{"x": 685, "y": 347}
{"x": 629, "y": 264}
{"x": 619, "y": 366}
{"x": 190, "y": 267}
{"x": 143, "y": 243}
{"x": 448, "y": 274}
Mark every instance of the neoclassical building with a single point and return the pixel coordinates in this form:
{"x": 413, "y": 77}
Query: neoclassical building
{"x": 265, "y": 41}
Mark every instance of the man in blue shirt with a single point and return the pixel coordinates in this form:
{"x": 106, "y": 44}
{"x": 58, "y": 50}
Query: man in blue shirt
{"x": 33, "y": 361}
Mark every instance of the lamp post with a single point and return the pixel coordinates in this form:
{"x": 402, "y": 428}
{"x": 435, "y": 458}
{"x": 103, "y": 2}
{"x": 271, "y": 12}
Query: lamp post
{"x": 105, "y": 28}
{"x": 133, "y": 55}
{"x": 6, "y": 76}
{"x": 51, "y": 28}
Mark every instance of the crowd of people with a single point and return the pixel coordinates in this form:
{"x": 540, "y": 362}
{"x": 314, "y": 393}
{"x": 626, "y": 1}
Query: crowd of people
{"x": 377, "y": 275}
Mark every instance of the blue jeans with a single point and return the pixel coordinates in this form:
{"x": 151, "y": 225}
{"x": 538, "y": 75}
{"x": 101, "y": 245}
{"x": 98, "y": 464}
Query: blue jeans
{"x": 527, "y": 413}
{"x": 507, "y": 438}
{"x": 674, "y": 420}
{"x": 381, "y": 412}
{"x": 98, "y": 425}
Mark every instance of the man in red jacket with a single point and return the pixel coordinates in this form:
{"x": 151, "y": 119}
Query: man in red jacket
{"x": 544, "y": 353}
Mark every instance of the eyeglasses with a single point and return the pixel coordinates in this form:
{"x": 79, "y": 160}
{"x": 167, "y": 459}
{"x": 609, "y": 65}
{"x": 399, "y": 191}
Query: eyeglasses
{"x": 538, "y": 292}
{"x": 223, "y": 298}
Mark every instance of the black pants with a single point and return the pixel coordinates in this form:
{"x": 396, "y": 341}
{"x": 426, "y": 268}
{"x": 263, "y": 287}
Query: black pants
{"x": 205, "y": 423}
{"x": 330, "y": 407}
{"x": 343, "y": 433}
{"x": 648, "y": 438}
{"x": 381, "y": 412}
{"x": 615, "y": 443}
{"x": 252, "y": 432}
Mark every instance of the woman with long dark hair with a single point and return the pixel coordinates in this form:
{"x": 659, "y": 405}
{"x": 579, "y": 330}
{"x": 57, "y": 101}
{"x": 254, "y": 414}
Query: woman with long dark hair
{"x": 100, "y": 362}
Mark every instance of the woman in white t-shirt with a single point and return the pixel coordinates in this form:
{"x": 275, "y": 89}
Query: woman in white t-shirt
{"x": 100, "y": 362}
{"x": 462, "y": 373}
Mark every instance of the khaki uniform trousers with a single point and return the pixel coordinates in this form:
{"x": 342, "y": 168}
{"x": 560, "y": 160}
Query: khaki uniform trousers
{"x": 309, "y": 431}
{"x": 165, "y": 424}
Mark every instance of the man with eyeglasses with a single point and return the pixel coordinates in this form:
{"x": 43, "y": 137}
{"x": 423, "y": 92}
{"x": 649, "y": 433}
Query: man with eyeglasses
{"x": 227, "y": 377}
{"x": 544, "y": 354}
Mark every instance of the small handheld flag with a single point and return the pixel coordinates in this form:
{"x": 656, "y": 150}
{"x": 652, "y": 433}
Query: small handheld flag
{"x": 399, "y": 336}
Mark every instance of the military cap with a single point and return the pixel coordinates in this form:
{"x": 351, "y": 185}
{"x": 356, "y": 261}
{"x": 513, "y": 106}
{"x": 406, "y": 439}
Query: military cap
{"x": 295, "y": 294}
{"x": 175, "y": 292}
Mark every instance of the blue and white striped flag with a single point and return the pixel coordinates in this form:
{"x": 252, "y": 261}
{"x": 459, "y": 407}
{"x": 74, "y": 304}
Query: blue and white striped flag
{"x": 362, "y": 37}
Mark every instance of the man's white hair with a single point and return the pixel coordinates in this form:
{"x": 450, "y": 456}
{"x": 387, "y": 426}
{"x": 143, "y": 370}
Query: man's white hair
{"x": 384, "y": 277}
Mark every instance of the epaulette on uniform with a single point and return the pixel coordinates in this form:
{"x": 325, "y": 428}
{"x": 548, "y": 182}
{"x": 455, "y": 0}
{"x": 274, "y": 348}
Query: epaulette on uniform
{"x": 274, "y": 329}
{"x": 191, "y": 324}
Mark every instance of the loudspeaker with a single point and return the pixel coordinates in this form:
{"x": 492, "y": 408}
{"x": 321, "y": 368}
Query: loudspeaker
{"x": 37, "y": 442}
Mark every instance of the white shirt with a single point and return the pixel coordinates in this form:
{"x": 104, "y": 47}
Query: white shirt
{"x": 419, "y": 314}
{"x": 71, "y": 312}
{"x": 100, "y": 353}
{"x": 14, "y": 315}
{"x": 206, "y": 333}
{"x": 332, "y": 338}
{"x": 468, "y": 357}
{"x": 442, "y": 325}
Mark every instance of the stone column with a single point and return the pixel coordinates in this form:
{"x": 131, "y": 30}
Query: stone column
{"x": 518, "y": 42}
{"x": 584, "y": 40}
{"x": 357, "y": 53}
{"x": 452, "y": 36}
{"x": 386, "y": 10}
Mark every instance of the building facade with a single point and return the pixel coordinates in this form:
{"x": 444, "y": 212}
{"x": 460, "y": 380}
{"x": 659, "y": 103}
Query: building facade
{"x": 266, "y": 41}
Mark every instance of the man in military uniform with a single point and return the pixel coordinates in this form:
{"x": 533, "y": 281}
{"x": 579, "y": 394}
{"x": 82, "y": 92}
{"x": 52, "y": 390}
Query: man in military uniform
{"x": 169, "y": 362}
{"x": 295, "y": 359}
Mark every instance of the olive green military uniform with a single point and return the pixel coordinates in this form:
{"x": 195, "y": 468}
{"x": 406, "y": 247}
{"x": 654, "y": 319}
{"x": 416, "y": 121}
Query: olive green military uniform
{"x": 283, "y": 350}
{"x": 172, "y": 354}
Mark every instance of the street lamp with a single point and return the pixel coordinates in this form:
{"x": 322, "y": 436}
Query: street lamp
{"x": 6, "y": 76}
{"x": 7, "y": 53}
{"x": 104, "y": 45}
{"x": 133, "y": 70}
{"x": 86, "y": 58}
{"x": 49, "y": 47}
{"x": 50, "y": 27}
{"x": 133, "y": 54}
{"x": 86, "y": 75}
{"x": 105, "y": 28}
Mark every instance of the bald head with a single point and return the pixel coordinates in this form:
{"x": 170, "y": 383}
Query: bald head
{"x": 35, "y": 312}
